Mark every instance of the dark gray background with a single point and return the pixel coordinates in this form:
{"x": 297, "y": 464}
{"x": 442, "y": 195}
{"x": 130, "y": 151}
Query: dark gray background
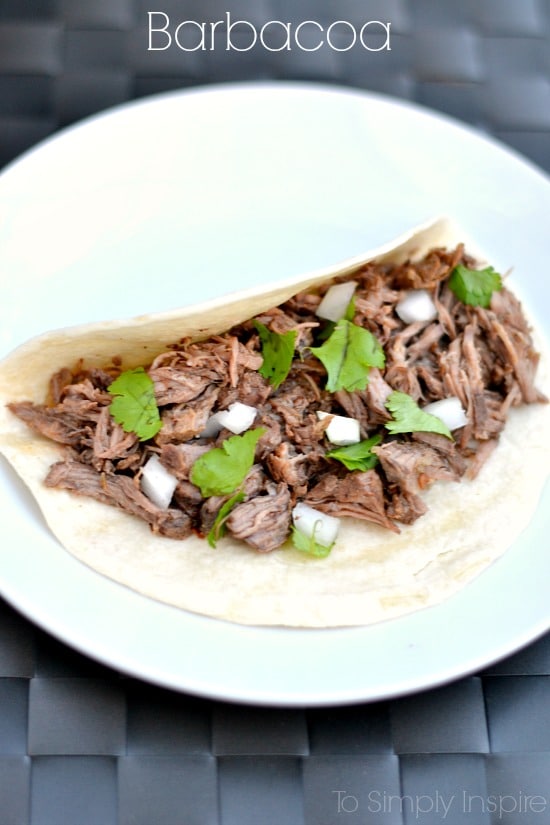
{"x": 81, "y": 744}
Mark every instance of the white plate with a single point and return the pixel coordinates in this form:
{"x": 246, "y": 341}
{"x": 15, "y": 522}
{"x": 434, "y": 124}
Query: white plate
{"x": 184, "y": 196}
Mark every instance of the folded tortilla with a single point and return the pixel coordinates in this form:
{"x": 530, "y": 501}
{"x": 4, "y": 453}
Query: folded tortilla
{"x": 371, "y": 574}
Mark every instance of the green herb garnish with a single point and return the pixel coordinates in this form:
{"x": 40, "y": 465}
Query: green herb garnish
{"x": 348, "y": 355}
{"x": 221, "y": 470}
{"x": 329, "y": 326}
{"x": 277, "y": 352}
{"x": 349, "y": 314}
{"x": 409, "y": 418}
{"x": 474, "y": 286}
{"x": 134, "y": 406}
{"x": 357, "y": 456}
{"x": 218, "y": 528}
{"x": 307, "y": 544}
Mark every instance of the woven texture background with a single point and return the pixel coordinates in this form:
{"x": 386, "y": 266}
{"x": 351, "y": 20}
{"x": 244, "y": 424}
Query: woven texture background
{"x": 486, "y": 62}
{"x": 81, "y": 744}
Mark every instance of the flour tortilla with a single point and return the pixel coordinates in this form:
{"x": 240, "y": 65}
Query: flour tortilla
{"x": 371, "y": 574}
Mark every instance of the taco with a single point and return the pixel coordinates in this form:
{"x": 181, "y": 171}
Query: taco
{"x": 332, "y": 450}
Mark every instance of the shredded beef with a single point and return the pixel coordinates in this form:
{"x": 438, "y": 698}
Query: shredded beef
{"x": 410, "y": 468}
{"x": 179, "y": 458}
{"x": 295, "y": 468}
{"x": 185, "y": 421}
{"x": 55, "y": 423}
{"x": 483, "y": 356}
{"x": 120, "y": 491}
{"x": 357, "y": 495}
{"x": 263, "y": 521}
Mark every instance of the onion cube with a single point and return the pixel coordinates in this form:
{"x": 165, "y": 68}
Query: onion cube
{"x": 341, "y": 430}
{"x": 336, "y": 301}
{"x": 416, "y": 305}
{"x": 449, "y": 410}
{"x": 237, "y": 418}
{"x": 157, "y": 483}
{"x": 212, "y": 427}
{"x": 313, "y": 523}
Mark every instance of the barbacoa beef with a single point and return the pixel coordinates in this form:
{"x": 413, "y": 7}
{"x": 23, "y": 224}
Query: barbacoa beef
{"x": 483, "y": 356}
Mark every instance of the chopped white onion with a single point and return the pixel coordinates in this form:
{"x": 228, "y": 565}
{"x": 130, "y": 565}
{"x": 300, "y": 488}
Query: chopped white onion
{"x": 237, "y": 418}
{"x": 157, "y": 483}
{"x": 336, "y": 301}
{"x": 311, "y": 522}
{"x": 341, "y": 430}
{"x": 416, "y": 305}
{"x": 212, "y": 427}
{"x": 449, "y": 410}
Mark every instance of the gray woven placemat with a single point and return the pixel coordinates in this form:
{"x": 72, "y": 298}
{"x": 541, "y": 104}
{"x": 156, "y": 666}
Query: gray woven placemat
{"x": 484, "y": 61}
{"x": 83, "y": 745}
{"x": 80, "y": 744}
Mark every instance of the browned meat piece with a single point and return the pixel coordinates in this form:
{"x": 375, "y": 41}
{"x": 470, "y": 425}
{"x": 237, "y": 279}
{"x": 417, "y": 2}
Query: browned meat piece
{"x": 488, "y": 418}
{"x": 110, "y": 441}
{"x": 376, "y": 394}
{"x": 273, "y": 435}
{"x": 291, "y": 404}
{"x": 253, "y": 485}
{"x": 430, "y": 337}
{"x": 399, "y": 374}
{"x": 294, "y": 406}
{"x": 431, "y": 385}
{"x": 374, "y": 302}
{"x": 209, "y": 511}
{"x": 444, "y": 300}
{"x": 58, "y": 382}
{"x": 406, "y": 509}
{"x": 179, "y": 458}
{"x": 262, "y": 521}
{"x": 443, "y": 445}
{"x": 472, "y": 359}
{"x": 403, "y": 378}
{"x": 355, "y": 495}
{"x": 185, "y": 421}
{"x": 74, "y": 395}
{"x": 286, "y": 465}
{"x": 509, "y": 339}
{"x": 354, "y": 405}
{"x": 425, "y": 274}
{"x": 480, "y": 456}
{"x": 188, "y": 498}
{"x": 409, "y": 468}
{"x": 251, "y": 389}
{"x": 119, "y": 491}
{"x": 455, "y": 380}
{"x": 54, "y": 423}
{"x": 292, "y": 467}
{"x": 176, "y": 386}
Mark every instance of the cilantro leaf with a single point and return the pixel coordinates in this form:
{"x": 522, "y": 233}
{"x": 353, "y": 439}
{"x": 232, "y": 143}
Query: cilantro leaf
{"x": 329, "y": 326}
{"x": 348, "y": 355}
{"x": 325, "y": 331}
{"x": 218, "y": 528}
{"x": 409, "y": 418}
{"x": 277, "y": 352}
{"x": 474, "y": 286}
{"x": 307, "y": 544}
{"x": 134, "y": 406}
{"x": 350, "y": 311}
{"x": 357, "y": 456}
{"x": 221, "y": 470}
